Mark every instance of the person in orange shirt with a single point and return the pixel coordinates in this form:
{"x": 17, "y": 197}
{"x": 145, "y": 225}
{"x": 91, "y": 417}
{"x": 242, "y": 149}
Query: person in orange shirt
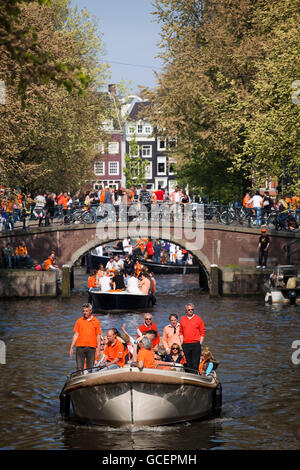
{"x": 145, "y": 355}
{"x": 92, "y": 280}
{"x": 87, "y": 335}
{"x": 65, "y": 200}
{"x": 114, "y": 353}
{"x": 171, "y": 333}
{"x": 21, "y": 255}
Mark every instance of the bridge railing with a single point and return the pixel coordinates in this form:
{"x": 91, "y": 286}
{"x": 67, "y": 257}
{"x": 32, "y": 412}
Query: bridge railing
{"x": 216, "y": 213}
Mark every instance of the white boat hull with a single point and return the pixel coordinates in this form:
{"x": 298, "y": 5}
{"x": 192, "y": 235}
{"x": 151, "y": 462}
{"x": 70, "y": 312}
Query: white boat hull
{"x": 152, "y": 397}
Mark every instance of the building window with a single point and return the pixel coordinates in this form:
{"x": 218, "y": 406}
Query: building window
{"x": 113, "y": 168}
{"x": 171, "y": 165}
{"x": 161, "y": 165}
{"x": 140, "y": 129}
{"x": 131, "y": 130}
{"x": 161, "y": 144}
{"x": 99, "y": 168}
{"x": 113, "y": 148}
{"x": 147, "y": 129}
{"x": 146, "y": 150}
{"x": 99, "y": 147}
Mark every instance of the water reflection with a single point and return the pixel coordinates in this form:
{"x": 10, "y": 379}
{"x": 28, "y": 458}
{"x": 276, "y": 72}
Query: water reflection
{"x": 261, "y": 402}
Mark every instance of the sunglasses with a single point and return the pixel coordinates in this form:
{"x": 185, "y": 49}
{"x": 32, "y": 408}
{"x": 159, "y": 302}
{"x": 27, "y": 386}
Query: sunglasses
{"x": 190, "y": 309}
{"x": 175, "y": 349}
{"x": 148, "y": 318}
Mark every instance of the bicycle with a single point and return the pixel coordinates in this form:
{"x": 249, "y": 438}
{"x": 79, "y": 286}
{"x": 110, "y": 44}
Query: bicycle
{"x": 79, "y": 216}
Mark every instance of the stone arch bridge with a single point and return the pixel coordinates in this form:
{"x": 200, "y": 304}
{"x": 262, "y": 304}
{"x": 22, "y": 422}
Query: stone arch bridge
{"x": 210, "y": 244}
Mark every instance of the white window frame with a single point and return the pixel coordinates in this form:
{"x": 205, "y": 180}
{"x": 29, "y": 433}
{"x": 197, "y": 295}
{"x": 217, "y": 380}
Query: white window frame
{"x": 117, "y": 166}
{"x": 159, "y": 141}
{"x": 139, "y": 128}
{"x": 146, "y": 147}
{"x": 98, "y": 172}
{"x": 99, "y": 147}
{"x": 161, "y": 160}
{"x": 113, "y": 147}
{"x": 148, "y": 130}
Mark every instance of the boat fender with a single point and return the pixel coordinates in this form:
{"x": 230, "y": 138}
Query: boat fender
{"x": 64, "y": 399}
{"x": 217, "y": 400}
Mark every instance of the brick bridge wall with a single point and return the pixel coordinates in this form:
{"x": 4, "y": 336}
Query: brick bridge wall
{"x": 220, "y": 245}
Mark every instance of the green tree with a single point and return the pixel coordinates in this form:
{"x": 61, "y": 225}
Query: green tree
{"x": 49, "y": 143}
{"x": 135, "y": 166}
{"x": 225, "y": 90}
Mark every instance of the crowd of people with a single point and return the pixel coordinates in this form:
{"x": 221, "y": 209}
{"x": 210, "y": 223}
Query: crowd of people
{"x": 118, "y": 274}
{"x": 45, "y": 206}
{"x": 19, "y": 258}
{"x": 181, "y": 343}
{"x": 262, "y": 204}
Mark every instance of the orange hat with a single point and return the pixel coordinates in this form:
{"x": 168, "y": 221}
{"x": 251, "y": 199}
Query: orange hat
{"x": 263, "y": 229}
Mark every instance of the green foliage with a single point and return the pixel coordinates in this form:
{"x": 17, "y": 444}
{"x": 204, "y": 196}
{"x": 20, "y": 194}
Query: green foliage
{"x": 225, "y": 92}
{"x": 135, "y": 166}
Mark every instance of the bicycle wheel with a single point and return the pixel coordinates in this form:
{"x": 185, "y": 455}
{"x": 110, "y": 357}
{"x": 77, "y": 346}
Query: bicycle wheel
{"x": 67, "y": 219}
{"x": 87, "y": 218}
{"x": 226, "y": 218}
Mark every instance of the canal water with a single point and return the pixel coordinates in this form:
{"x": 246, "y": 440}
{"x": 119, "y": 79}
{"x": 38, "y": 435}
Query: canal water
{"x": 252, "y": 341}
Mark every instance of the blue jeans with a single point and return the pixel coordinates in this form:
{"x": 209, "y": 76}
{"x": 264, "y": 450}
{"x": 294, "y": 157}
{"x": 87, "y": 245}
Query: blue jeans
{"x": 258, "y": 215}
{"x": 19, "y": 260}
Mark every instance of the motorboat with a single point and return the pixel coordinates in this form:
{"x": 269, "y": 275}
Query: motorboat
{"x": 93, "y": 261}
{"x": 120, "y": 300}
{"x": 283, "y": 285}
{"x": 127, "y": 396}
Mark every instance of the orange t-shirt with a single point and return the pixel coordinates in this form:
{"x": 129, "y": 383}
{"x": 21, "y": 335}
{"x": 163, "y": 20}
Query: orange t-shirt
{"x": 48, "y": 263}
{"x": 65, "y": 201}
{"x": 147, "y": 356}
{"x": 116, "y": 350}
{"x": 92, "y": 282}
{"x": 88, "y": 330}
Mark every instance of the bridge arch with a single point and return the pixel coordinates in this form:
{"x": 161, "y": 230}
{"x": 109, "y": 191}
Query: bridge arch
{"x": 202, "y": 260}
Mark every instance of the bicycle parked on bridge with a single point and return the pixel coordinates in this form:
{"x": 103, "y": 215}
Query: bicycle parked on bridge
{"x": 285, "y": 220}
{"x": 80, "y": 216}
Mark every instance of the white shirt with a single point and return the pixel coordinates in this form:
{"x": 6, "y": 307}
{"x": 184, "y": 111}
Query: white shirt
{"x": 177, "y": 196}
{"x": 99, "y": 250}
{"x": 40, "y": 202}
{"x": 105, "y": 283}
{"x": 133, "y": 285}
{"x": 119, "y": 264}
{"x": 110, "y": 265}
{"x": 256, "y": 201}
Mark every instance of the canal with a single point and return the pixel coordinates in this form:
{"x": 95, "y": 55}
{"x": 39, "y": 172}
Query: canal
{"x": 252, "y": 342}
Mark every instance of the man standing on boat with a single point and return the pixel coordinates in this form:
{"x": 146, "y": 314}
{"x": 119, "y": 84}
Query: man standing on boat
{"x": 147, "y": 326}
{"x": 171, "y": 333}
{"x": 87, "y": 334}
{"x": 191, "y": 334}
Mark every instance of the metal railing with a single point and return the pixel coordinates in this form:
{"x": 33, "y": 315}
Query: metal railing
{"x": 214, "y": 213}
